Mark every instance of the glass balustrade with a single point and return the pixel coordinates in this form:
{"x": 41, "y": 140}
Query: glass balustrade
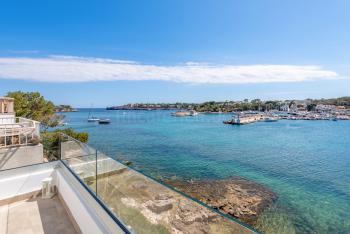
{"x": 142, "y": 204}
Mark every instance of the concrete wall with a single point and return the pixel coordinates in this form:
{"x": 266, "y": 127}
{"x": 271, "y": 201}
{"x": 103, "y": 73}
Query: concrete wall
{"x": 88, "y": 214}
{"x": 20, "y": 156}
{"x": 24, "y": 180}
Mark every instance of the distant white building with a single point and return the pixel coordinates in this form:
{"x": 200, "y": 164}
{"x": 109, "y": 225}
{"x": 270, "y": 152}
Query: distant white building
{"x": 293, "y": 108}
{"x": 325, "y": 108}
{"x": 285, "y": 108}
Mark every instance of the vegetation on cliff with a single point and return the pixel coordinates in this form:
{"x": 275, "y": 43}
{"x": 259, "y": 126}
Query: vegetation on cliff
{"x": 230, "y": 106}
{"x": 257, "y": 104}
{"x": 64, "y": 108}
{"x": 342, "y": 101}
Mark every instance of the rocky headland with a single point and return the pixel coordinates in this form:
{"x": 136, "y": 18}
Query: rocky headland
{"x": 237, "y": 197}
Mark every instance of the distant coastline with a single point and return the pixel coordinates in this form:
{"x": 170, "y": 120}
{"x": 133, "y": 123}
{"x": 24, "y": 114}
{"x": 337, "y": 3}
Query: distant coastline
{"x": 65, "y": 108}
{"x": 256, "y": 109}
{"x": 139, "y": 108}
{"x": 341, "y": 103}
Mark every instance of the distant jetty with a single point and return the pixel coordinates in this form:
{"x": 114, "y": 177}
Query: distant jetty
{"x": 240, "y": 120}
{"x": 250, "y": 118}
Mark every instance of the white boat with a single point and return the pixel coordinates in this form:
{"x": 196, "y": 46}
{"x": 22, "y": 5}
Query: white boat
{"x": 93, "y": 119}
{"x": 271, "y": 119}
{"x": 193, "y": 113}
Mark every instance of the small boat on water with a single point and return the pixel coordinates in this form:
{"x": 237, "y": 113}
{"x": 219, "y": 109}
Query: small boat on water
{"x": 184, "y": 113}
{"x": 93, "y": 119}
{"x": 193, "y": 113}
{"x": 104, "y": 121}
{"x": 270, "y": 119}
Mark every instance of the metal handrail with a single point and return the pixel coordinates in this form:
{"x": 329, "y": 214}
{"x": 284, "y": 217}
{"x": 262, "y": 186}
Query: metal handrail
{"x": 17, "y": 127}
{"x": 16, "y": 120}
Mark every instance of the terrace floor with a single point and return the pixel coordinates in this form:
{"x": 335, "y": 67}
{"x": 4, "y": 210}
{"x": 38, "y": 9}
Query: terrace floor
{"x": 35, "y": 215}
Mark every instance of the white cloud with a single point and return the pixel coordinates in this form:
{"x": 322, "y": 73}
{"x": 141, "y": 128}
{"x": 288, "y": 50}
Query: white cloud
{"x": 82, "y": 69}
{"x": 23, "y": 51}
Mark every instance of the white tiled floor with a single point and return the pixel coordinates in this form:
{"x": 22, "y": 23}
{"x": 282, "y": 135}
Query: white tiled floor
{"x": 35, "y": 216}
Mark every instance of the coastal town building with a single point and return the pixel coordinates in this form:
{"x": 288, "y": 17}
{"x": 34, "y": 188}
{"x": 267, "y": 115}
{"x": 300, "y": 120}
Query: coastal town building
{"x": 325, "y": 108}
{"x": 284, "y": 107}
{"x": 293, "y": 108}
{"x": 340, "y": 108}
{"x": 302, "y": 108}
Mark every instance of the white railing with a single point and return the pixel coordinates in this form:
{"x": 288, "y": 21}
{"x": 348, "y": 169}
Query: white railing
{"x": 15, "y": 131}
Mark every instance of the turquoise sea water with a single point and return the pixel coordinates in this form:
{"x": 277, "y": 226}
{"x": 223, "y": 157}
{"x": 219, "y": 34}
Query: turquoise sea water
{"x": 307, "y": 163}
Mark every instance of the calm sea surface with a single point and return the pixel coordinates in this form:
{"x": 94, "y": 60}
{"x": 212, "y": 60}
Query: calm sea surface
{"x": 307, "y": 163}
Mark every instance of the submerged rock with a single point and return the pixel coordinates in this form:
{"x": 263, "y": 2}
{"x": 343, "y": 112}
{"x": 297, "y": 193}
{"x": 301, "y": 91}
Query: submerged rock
{"x": 237, "y": 197}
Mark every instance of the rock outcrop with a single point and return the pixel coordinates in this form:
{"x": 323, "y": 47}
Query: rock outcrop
{"x": 237, "y": 197}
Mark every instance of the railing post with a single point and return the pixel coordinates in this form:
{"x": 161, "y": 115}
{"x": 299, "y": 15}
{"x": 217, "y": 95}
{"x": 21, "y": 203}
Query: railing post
{"x": 59, "y": 147}
{"x": 5, "y": 136}
{"x": 12, "y": 136}
{"x": 96, "y": 172}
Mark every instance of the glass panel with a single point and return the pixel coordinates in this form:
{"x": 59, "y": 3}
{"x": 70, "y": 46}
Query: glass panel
{"x": 80, "y": 158}
{"x": 141, "y": 203}
{"x": 71, "y": 148}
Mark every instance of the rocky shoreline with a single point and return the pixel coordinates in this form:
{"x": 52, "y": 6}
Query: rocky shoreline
{"x": 235, "y": 196}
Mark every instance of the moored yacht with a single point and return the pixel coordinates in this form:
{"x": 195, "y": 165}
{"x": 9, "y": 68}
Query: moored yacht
{"x": 93, "y": 119}
{"x": 104, "y": 121}
{"x": 270, "y": 119}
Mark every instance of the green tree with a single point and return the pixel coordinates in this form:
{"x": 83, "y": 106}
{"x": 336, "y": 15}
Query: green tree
{"x": 311, "y": 107}
{"x": 51, "y": 141}
{"x": 32, "y": 105}
{"x": 53, "y": 136}
{"x": 256, "y": 104}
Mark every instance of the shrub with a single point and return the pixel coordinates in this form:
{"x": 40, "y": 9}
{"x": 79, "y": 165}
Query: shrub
{"x": 50, "y": 140}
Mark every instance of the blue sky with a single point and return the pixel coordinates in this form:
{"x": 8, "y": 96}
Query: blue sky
{"x": 115, "y": 52}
